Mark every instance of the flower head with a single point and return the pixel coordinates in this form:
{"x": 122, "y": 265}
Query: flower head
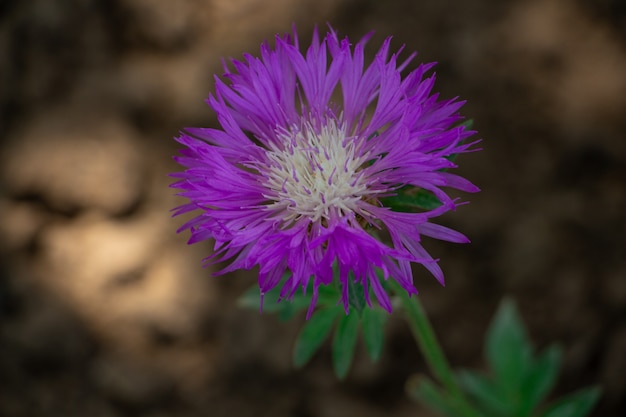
{"x": 311, "y": 147}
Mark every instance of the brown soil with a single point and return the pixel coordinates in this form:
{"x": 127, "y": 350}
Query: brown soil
{"x": 104, "y": 311}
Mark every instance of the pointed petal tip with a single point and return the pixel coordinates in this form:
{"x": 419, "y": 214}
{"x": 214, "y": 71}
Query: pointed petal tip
{"x": 387, "y": 307}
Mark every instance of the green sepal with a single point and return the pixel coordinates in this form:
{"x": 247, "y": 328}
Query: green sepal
{"x": 344, "y": 343}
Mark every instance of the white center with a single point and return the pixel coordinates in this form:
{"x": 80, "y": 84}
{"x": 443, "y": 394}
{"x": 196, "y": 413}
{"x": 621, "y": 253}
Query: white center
{"x": 316, "y": 173}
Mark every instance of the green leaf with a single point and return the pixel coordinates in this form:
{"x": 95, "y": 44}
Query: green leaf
{"x": 421, "y": 389}
{"x": 286, "y": 308}
{"x": 328, "y": 294}
{"x": 356, "y": 294}
{"x": 289, "y": 308}
{"x": 486, "y": 394}
{"x": 426, "y": 200}
{"x": 313, "y": 334}
{"x": 578, "y": 404}
{"x": 507, "y": 350}
{"x": 412, "y": 199}
{"x": 540, "y": 378}
{"x": 373, "y": 324}
{"x": 344, "y": 343}
{"x": 251, "y": 299}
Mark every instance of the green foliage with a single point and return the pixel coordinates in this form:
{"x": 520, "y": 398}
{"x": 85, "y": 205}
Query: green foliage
{"x": 286, "y": 309}
{"x": 517, "y": 381}
{"x": 329, "y": 314}
{"x": 423, "y": 389}
{"x": 485, "y": 392}
{"x": 541, "y": 377}
{"x": 578, "y": 404}
{"x": 507, "y": 351}
{"x": 356, "y": 295}
{"x": 373, "y": 325}
{"x": 313, "y": 333}
{"x": 344, "y": 343}
{"x": 411, "y": 199}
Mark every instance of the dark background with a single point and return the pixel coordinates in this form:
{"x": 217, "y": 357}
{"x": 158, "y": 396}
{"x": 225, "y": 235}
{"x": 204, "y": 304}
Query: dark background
{"x": 105, "y": 312}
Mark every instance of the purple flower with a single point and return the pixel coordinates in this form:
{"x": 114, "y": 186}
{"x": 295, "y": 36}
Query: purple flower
{"x": 310, "y": 147}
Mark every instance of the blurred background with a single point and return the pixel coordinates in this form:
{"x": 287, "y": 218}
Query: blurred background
{"x": 106, "y": 312}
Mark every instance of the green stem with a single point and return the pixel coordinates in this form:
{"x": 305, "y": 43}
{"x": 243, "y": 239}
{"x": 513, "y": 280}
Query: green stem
{"x": 436, "y": 360}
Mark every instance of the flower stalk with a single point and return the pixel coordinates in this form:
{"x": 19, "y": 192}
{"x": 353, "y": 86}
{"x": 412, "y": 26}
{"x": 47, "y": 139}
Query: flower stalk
{"x": 433, "y": 354}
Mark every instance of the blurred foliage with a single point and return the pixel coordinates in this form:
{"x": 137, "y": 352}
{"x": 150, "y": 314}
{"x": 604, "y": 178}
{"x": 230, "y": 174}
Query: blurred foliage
{"x": 517, "y": 382}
